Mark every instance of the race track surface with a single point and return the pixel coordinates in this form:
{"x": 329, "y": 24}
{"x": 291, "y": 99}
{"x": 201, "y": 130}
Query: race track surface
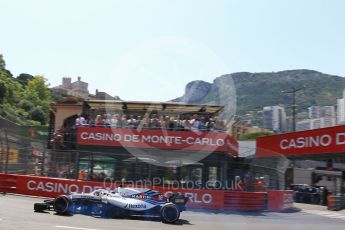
{"x": 17, "y": 213}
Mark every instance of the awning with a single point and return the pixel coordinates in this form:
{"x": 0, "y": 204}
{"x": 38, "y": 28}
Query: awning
{"x": 144, "y": 106}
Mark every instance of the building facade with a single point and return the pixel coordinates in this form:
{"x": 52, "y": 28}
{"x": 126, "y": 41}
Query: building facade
{"x": 274, "y": 118}
{"x": 341, "y": 109}
{"x": 316, "y": 123}
{"x": 318, "y": 117}
{"x": 77, "y": 89}
{"x": 321, "y": 111}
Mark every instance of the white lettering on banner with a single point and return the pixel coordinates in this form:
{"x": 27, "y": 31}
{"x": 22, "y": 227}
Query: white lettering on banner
{"x": 101, "y": 136}
{"x": 62, "y": 188}
{"x": 220, "y": 142}
{"x": 340, "y": 139}
{"x": 283, "y": 144}
{"x": 156, "y": 139}
{"x": 326, "y": 140}
{"x": 59, "y": 187}
{"x": 205, "y": 198}
{"x": 30, "y": 182}
{"x": 188, "y": 140}
{"x": 306, "y": 142}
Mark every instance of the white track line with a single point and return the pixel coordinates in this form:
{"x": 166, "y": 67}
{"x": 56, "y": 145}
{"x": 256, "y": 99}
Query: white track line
{"x": 70, "y": 227}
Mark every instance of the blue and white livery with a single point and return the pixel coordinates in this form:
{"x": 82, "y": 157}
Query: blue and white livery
{"x": 121, "y": 202}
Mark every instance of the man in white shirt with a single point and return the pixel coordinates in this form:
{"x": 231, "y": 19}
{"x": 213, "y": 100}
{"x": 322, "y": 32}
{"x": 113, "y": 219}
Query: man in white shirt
{"x": 80, "y": 121}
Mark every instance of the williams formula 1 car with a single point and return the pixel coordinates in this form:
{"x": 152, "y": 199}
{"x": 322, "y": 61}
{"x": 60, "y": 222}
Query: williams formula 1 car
{"x": 121, "y": 202}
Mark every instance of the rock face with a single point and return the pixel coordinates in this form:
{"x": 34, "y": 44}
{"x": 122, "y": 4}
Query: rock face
{"x": 252, "y": 91}
{"x": 195, "y": 91}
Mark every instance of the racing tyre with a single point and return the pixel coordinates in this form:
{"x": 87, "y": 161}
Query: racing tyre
{"x": 62, "y": 205}
{"x": 170, "y": 213}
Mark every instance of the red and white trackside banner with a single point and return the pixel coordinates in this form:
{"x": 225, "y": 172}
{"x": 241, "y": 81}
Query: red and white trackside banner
{"x": 52, "y": 187}
{"x": 318, "y": 141}
{"x": 278, "y": 200}
{"x": 198, "y": 198}
{"x": 161, "y": 139}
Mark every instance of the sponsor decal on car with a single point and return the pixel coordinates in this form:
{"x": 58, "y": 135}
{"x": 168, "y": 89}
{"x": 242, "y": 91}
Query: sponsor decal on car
{"x": 135, "y": 206}
{"x": 140, "y": 196}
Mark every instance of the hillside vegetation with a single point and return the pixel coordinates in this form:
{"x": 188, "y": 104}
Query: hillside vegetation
{"x": 253, "y": 91}
{"x": 25, "y": 99}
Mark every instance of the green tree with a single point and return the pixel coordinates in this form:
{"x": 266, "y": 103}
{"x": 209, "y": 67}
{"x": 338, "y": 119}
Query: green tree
{"x": 24, "y": 100}
{"x": 24, "y": 78}
{"x": 2, "y": 91}
{"x": 12, "y": 89}
{"x": 26, "y": 105}
{"x": 253, "y": 136}
{"x": 37, "y": 92}
{"x": 37, "y": 114}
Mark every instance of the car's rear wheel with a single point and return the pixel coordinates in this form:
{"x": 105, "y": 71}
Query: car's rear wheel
{"x": 62, "y": 205}
{"x": 170, "y": 213}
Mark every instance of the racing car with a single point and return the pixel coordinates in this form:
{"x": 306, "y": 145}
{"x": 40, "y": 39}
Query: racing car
{"x": 121, "y": 202}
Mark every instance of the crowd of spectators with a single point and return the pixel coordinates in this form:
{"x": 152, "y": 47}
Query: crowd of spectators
{"x": 65, "y": 137}
{"x": 195, "y": 123}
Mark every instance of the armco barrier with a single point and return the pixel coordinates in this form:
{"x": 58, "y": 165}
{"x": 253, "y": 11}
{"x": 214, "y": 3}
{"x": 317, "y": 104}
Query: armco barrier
{"x": 279, "y": 200}
{"x": 198, "y": 198}
{"x": 8, "y": 183}
{"x": 244, "y": 201}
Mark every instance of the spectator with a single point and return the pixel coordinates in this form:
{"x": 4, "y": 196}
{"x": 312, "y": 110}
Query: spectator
{"x": 124, "y": 121}
{"x": 114, "y": 122}
{"x": 98, "y": 121}
{"x": 106, "y": 120}
{"x": 172, "y": 124}
{"x": 209, "y": 126}
{"x": 138, "y": 121}
{"x": 162, "y": 122}
{"x": 131, "y": 122}
{"x": 195, "y": 123}
{"x": 182, "y": 122}
{"x": 80, "y": 121}
{"x": 187, "y": 125}
{"x": 154, "y": 123}
{"x": 58, "y": 139}
{"x": 202, "y": 121}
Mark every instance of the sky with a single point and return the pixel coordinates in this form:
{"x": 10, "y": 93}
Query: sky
{"x": 148, "y": 50}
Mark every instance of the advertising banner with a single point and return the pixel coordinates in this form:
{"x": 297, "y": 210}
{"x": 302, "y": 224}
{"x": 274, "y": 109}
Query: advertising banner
{"x": 278, "y": 200}
{"x": 162, "y": 139}
{"x": 12, "y": 155}
{"x": 318, "y": 141}
{"x": 52, "y": 187}
{"x": 198, "y": 198}
{"x": 35, "y": 132}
